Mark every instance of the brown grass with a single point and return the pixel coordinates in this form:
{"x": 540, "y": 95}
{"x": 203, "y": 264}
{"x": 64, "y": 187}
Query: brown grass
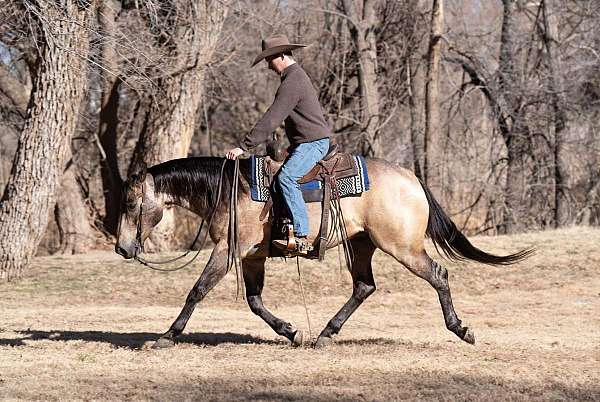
{"x": 79, "y": 328}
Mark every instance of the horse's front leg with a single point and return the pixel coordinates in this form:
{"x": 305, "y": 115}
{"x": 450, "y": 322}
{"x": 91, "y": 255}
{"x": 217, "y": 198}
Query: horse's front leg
{"x": 215, "y": 270}
{"x": 254, "y": 278}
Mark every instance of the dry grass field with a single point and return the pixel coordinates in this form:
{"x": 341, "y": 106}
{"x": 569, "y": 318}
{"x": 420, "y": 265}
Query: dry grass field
{"x": 80, "y": 328}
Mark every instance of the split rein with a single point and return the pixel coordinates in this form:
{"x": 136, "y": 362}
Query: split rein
{"x": 233, "y": 253}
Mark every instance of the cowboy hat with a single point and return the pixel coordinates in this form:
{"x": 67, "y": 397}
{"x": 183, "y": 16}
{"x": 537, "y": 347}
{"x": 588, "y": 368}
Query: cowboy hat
{"x": 275, "y": 45}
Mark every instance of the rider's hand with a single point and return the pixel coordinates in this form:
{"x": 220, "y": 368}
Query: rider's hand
{"x": 234, "y": 153}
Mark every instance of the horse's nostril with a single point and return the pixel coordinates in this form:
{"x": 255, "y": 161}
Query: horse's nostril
{"x": 121, "y": 251}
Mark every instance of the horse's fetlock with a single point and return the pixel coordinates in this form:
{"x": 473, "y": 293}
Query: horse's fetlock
{"x": 328, "y": 331}
{"x": 171, "y": 334}
{"x": 332, "y": 328}
{"x": 454, "y": 326}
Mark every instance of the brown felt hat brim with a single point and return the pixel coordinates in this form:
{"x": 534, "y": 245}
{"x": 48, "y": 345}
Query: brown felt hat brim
{"x": 276, "y": 50}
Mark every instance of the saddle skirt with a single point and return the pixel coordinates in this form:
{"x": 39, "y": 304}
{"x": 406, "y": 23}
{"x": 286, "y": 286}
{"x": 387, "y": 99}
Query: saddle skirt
{"x": 350, "y": 172}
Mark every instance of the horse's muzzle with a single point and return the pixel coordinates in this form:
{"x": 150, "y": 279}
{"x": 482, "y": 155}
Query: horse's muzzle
{"x": 123, "y": 252}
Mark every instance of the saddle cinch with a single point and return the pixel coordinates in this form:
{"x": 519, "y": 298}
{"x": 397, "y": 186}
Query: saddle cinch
{"x": 333, "y": 167}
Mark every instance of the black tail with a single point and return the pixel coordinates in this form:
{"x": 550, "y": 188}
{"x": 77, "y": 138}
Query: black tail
{"x": 454, "y": 244}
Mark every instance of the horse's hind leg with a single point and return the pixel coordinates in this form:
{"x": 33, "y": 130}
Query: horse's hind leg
{"x": 254, "y": 278}
{"x": 424, "y": 267}
{"x": 363, "y": 286}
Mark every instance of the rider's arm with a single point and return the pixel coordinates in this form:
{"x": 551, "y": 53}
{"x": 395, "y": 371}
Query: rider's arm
{"x": 286, "y": 99}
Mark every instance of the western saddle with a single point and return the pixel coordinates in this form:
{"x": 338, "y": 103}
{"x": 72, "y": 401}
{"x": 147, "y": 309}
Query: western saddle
{"x": 335, "y": 165}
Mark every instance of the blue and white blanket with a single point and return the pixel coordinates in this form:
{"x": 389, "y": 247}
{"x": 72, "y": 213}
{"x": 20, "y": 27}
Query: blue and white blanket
{"x": 348, "y": 186}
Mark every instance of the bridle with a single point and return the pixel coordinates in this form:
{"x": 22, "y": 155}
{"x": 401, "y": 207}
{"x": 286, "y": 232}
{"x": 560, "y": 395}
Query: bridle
{"x": 138, "y": 236}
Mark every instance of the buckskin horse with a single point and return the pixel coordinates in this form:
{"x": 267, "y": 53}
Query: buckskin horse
{"x": 395, "y": 215}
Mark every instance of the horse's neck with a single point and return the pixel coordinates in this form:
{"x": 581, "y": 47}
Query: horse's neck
{"x": 193, "y": 201}
{"x": 168, "y": 200}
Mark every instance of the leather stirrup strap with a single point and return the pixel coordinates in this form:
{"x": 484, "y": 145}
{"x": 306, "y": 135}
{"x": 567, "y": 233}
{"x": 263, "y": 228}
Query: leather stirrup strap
{"x": 266, "y": 208}
{"x": 325, "y": 216}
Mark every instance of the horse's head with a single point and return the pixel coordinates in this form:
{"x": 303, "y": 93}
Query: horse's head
{"x": 140, "y": 212}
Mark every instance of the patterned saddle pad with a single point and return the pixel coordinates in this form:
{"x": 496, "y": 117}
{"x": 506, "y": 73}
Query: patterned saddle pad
{"x": 311, "y": 191}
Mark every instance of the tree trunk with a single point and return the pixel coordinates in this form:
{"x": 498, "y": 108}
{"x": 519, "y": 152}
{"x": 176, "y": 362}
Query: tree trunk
{"x": 111, "y": 178}
{"x": 515, "y": 185}
{"x": 72, "y": 216}
{"x": 363, "y": 22}
{"x": 512, "y": 123}
{"x": 172, "y": 116}
{"x": 415, "y": 90}
{"x": 562, "y": 213}
{"x": 432, "y": 109}
{"x": 43, "y": 145}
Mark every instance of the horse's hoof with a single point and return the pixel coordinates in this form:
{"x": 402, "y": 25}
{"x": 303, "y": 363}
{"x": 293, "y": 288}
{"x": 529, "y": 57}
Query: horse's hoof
{"x": 469, "y": 337}
{"x": 323, "y": 341}
{"x": 298, "y": 338}
{"x": 163, "y": 343}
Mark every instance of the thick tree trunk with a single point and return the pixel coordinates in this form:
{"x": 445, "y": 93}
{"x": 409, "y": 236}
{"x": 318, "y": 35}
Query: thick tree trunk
{"x": 172, "y": 117}
{"x": 562, "y": 213}
{"x": 43, "y": 145}
{"x": 432, "y": 109}
{"x": 111, "y": 178}
{"x": 363, "y": 21}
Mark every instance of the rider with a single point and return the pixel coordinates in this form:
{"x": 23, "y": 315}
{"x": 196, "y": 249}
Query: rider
{"x": 297, "y": 103}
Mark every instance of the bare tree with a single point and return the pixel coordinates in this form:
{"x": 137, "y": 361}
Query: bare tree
{"x": 108, "y": 12}
{"x": 172, "y": 118}
{"x": 432, "y": 112}
{"x": 362, "y": 23}
{"x": 562, "y": 213}
{"x": 43, "y": 145}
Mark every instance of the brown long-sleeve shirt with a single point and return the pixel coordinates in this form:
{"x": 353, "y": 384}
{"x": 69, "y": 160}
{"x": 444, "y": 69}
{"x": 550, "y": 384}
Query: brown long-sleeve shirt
{"x": 297, "y": 103}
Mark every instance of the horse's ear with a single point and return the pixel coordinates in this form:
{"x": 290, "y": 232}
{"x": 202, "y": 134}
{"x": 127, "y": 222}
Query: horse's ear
{"x": 139, "y": 174}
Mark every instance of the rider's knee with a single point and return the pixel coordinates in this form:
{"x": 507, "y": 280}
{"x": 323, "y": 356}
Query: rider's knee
{"x": 284, "y": 178}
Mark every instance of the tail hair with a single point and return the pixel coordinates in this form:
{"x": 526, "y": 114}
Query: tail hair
{"x": 446, "y": 236}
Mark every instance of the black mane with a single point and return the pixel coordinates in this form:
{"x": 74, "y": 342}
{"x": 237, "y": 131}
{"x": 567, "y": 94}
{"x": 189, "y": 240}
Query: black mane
{"x": 198, "y": 178}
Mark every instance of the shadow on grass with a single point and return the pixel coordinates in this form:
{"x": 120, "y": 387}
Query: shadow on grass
{"x": 136, "y": 340}
{"x": 133, "y": 340}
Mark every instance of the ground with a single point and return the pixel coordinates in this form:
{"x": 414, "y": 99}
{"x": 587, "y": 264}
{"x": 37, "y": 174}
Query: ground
{"x": 81, "y": 327}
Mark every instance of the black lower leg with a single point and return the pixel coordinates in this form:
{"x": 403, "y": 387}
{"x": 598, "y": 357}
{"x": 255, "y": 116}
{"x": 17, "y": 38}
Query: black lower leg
{"x": 360, "y": 293}
{"x": 254, "y": 278}
{"x": 439, "y": 280}
{"x": 214, "y": 271}
{"x": 279, "y": 326}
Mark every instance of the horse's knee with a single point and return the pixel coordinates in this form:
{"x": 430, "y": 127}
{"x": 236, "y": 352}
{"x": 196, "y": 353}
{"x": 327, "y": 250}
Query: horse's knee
{"x": 255, "y": 304}
{"x": 362, "y": 290}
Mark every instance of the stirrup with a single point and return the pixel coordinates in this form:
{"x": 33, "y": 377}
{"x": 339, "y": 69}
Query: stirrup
{"x": 294, "y": 246}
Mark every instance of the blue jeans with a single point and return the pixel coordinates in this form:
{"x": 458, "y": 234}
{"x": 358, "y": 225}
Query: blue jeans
{"x": 301, "y": 159}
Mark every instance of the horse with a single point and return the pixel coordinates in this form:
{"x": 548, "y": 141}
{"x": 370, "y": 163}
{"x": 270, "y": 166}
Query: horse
{"x": 395, "y": 215}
